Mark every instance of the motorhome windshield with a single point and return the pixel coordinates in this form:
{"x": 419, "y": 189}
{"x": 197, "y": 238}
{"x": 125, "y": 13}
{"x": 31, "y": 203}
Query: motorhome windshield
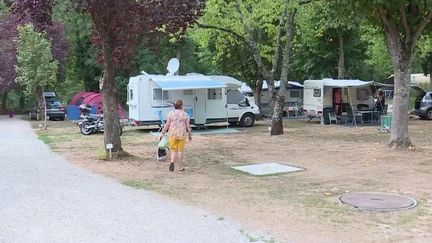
{"x": 235, "y": 97}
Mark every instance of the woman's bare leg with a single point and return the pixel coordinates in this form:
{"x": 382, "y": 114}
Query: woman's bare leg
{"x": 173, "y": 155}
{"x": 179, "y": 160}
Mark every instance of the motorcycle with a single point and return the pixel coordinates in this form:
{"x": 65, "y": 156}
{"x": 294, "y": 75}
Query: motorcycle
{"x": 90, "y": 123}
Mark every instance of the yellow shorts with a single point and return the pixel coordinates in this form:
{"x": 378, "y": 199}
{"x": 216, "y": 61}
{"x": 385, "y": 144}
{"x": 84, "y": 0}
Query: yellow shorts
{"x": 176, "y": 144}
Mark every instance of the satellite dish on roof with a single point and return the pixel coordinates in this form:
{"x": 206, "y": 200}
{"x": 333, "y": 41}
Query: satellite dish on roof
{"x": 173, "y": 66}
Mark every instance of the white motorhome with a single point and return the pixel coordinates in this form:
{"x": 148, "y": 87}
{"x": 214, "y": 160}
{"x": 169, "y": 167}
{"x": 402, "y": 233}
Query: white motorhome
{"x": 293, "y": 102}
{"x": 322, "y": 95}
{"x": 207, "y": 99}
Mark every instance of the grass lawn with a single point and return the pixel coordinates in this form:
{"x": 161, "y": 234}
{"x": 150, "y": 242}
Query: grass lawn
{"x": 301, "y": 206}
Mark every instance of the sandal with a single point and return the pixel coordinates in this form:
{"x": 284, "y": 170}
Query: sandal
{"x": 171, "y": 166}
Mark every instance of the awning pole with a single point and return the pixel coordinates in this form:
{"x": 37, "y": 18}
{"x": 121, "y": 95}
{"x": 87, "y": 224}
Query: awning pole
{"x": 163, "y": 120}
{"x": 226, "y": 106}
{"x": 352, "y": 108}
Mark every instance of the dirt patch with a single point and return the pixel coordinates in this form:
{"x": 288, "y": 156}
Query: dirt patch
{"x": 301, "y": 206}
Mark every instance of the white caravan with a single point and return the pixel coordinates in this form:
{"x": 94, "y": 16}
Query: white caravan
{"x": 207, "y": 99}
{"x": 293, "y": 102}
{"x": 320, "y": 96}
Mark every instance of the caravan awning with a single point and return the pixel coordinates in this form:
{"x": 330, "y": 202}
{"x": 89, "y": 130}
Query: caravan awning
{"x": 188, "y": 84}
{"x": 343, "y": 83}
{"x": 290, "y": 85}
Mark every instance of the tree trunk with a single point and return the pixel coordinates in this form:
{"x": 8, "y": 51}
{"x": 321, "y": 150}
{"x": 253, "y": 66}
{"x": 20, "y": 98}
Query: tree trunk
{"x": 258, "y": 92}
{"x": 110, "y": 112}
{"x": 341, "y": 63}
{"x": 430, "y": 78}
{"x": 178, "y": 54}
{"x": 277, "y": 125}
{"x": 401, "y": 42}
{"x": 401, "y": 53}
{"x": 40, "y": 104}
{"x": 399, "y": 137}
{"x": 3, "y": 102}
{"x": 22, "y": 100}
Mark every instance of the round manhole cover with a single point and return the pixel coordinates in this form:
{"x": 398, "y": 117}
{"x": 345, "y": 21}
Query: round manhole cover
{"x": 376, "y": 201}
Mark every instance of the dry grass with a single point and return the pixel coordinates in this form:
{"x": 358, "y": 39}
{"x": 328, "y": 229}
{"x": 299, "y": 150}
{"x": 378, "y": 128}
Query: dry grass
{"x": 302, "y": 206}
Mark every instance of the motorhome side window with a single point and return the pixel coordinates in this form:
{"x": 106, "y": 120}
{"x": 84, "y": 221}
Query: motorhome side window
{"x": 131, "y": 94}
{"x": 317, "y": 93}
{"x": 363, "y": 94}
{"x": 158, "y": 95}
{"x": 214, "y": 94}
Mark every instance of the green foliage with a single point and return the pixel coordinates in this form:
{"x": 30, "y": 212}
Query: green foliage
{"x": 316, "y": 49}
{"x": 82, "y": 68}
{"x": 152, "y": 57}
{"x": 230, "y": 54}
{"x": 3, "y": 7}
{"x": 36, "y": 66}
{"x": 379, "y": 59}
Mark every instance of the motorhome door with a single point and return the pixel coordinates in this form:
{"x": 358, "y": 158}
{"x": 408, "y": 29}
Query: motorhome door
{"x": 200, "y": 96}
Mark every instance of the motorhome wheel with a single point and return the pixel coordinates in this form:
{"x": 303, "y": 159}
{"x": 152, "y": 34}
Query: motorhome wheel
{"x": 247, "y": 120}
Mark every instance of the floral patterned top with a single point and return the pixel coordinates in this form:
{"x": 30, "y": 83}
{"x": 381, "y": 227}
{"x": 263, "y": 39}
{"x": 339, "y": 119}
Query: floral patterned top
{"x": 178, "y": 124}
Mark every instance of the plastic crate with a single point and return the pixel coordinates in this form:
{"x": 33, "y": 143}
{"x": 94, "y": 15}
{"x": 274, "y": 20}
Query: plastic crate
{"x": 386, "y": 121}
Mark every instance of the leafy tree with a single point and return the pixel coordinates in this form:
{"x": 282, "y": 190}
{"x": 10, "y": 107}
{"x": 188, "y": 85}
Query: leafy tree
{"x": 252, "y": 21}
{"x": 226, "y": 54}
{"x": 36, "y": 67}
{"x": 8, "y": 60}
{"x": 39, "y": 14}
{"x": 425, "y": 55}
{"x": 378, "y": 61}
{"x": 427, "y": 65}
{"x": 83, "y": 68}
{"x": 117, "y": 25}
{"x": 328, "y": 43}
{"x": 403, "y": 23}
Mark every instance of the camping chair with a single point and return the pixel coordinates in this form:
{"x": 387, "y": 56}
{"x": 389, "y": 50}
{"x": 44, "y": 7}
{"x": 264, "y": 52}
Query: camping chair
{"x": 293, "y": 108}
{"x": 333, "y": 118}
{"x": 352, "y": 117}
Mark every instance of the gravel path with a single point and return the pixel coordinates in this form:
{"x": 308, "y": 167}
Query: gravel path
{"x": 44, "y": 198}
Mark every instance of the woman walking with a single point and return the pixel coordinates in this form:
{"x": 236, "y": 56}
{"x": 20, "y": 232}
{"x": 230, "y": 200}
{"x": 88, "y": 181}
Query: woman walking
{"x": 179, "y": 128}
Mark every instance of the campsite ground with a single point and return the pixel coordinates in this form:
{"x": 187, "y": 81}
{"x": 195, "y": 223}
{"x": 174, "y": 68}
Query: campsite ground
{"x": 299, "y": 207}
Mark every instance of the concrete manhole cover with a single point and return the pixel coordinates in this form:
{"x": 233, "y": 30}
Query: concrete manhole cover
{"x": 267, "y": 169}
{"x": 375, "y": 201}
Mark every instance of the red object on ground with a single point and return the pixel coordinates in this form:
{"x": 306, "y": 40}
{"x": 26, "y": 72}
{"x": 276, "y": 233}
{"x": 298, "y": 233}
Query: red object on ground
{"x": 95, "y": 100}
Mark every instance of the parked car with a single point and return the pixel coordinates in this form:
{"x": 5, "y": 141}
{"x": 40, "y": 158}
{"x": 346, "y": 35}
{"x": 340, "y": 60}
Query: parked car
{"x": 55, "y": 110}
{"x": 423, "y": 105}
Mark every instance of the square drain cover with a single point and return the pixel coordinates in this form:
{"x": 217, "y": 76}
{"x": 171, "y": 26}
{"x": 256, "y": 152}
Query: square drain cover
{"x": 267, "y": 169}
